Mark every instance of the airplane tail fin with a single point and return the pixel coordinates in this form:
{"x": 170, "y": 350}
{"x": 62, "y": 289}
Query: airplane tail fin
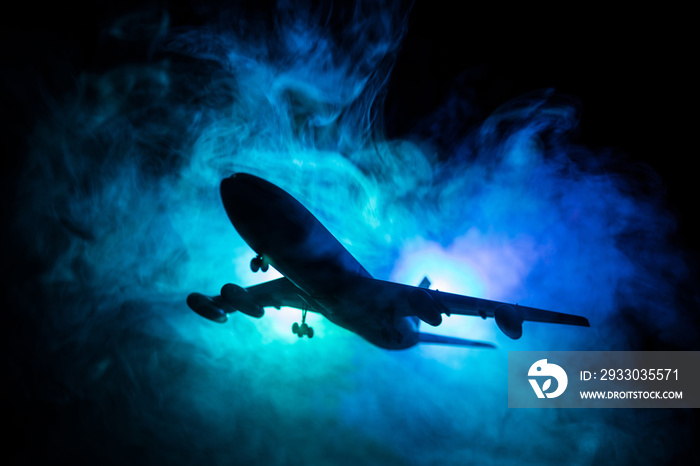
{"x": 452, "y": 341}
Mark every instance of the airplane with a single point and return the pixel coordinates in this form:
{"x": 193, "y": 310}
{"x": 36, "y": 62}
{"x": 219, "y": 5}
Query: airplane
{"x": 321, "y": 276}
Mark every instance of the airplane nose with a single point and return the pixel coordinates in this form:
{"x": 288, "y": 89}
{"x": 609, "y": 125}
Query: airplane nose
{"x": 239, "y": 184}
{"x": 240, "y": 196}
{"x": 228, "y": 187}
{"x": 262, "y": 213}
{"x": 231, "y": 186}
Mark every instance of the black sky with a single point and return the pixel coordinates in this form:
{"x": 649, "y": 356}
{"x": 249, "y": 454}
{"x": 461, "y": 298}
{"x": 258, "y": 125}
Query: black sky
{"x": 631, "y": 71}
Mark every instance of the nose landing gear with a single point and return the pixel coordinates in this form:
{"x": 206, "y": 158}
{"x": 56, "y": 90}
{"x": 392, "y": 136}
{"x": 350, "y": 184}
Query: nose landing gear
{"x": 303, "y": 329}
{"x": 392, "y": 335}
{"x": 258, "y": 263}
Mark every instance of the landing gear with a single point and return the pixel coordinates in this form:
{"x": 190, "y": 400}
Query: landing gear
{"x": 303, "y": 329}
{"x": 258, "y": 263}
{"x": 392, "y": 335}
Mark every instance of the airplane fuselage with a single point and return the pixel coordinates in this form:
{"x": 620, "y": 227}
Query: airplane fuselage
{"x": 290, "y": 238}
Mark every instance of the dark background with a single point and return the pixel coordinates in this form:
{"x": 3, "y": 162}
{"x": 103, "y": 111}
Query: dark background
{"x": 631, "y": 72}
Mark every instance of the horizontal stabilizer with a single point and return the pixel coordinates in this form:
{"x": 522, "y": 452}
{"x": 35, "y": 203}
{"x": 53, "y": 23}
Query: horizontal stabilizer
{"x": 453, "y": 341}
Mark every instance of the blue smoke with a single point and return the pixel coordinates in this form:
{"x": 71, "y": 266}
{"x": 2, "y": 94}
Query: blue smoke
{"x": 120, "y": 209}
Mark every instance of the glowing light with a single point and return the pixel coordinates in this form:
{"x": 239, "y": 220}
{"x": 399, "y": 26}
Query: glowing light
{"x": 446, "y": 271}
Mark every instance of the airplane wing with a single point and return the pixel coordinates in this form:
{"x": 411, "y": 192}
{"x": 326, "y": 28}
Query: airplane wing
{"x": 277, "y": 293}
{"x": 429, "y": 305}
{"x": 250, "y": 301}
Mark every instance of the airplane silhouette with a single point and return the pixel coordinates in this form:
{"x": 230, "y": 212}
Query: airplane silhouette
{"x": 321, "y": 276}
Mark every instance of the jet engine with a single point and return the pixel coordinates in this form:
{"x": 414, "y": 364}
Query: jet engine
{"x": 238, "y": 298}
{"x": 207, "y": 307}
{"x": 509, "y": 320}
{"x": 425, "y": 307}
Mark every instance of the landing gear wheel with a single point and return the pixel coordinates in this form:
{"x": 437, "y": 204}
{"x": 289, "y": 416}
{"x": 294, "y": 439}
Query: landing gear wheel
{"x": 304, "y": 328}
{"x": 258, "y": 263}
{"x": 255, "y": 264}
{"x": 392, "y": 335}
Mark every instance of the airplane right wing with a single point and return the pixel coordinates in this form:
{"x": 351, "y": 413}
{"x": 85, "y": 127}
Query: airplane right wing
{"x": 429, "y": 305}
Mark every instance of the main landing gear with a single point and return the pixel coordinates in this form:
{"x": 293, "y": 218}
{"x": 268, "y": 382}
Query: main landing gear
{"x": 258, "y": 263}
{"x": 303, "y": 329}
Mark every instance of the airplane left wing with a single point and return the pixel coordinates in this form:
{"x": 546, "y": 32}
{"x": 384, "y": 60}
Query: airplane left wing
{"x": 277, "y": 293}
{"x": 429, "y": 305}
{"x": 250, "y": 301}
